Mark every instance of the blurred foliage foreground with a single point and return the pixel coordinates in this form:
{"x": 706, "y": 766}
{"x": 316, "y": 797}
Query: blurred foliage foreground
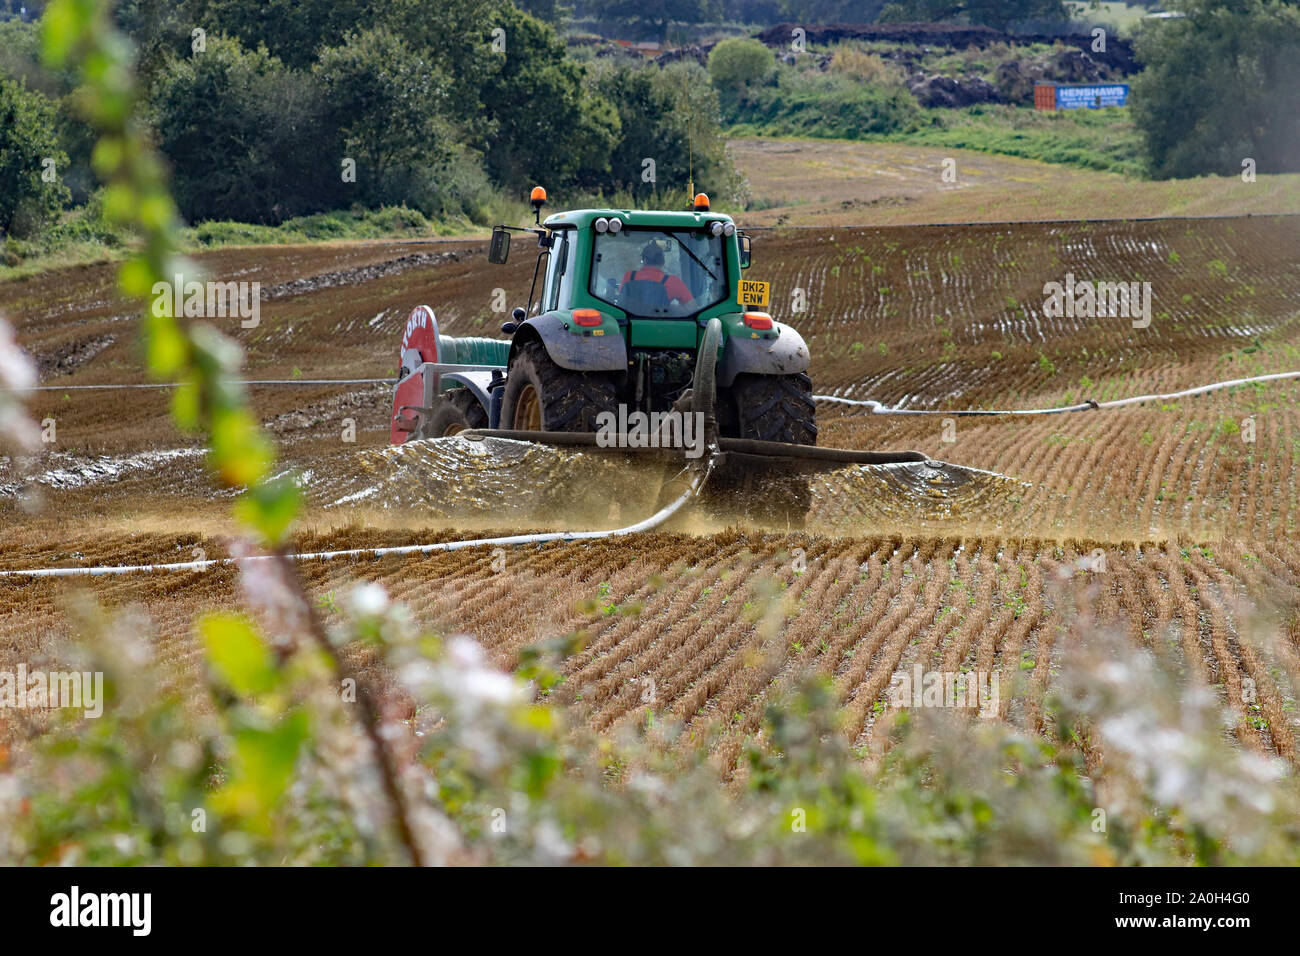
{"x": 350, "y": 737}
{"x": 272, "y": 763}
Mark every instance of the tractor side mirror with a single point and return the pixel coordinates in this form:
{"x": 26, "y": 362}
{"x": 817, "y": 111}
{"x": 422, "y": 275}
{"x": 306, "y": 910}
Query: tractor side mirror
{"x": 499, "y": 251}
{"x": 744, "y": 251}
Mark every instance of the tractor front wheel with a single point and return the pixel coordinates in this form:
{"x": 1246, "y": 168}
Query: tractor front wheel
{"x": 541, "y": 396}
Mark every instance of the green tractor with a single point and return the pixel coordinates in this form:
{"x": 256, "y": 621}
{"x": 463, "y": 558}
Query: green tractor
{"x": 625, "y": 299}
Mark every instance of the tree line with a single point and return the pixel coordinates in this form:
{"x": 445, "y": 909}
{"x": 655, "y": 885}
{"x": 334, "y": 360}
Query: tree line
{"x": 271, "y": 109}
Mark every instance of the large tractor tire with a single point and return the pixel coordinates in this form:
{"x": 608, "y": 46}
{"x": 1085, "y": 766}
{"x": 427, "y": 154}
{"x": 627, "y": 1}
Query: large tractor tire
{"x": 541, "y": 396}
{"x": 768, "y": 408}
{"x": 453, "y": 412}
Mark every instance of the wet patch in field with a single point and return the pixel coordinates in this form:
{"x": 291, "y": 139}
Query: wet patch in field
{"x": 499, "y": 480}
{"x": 358, "y": 274}
{"x": 507, "y": 482}
{"x": 70, "y": 357}
{"x": 63, "y": 471}
{"x": 934, "y": 495}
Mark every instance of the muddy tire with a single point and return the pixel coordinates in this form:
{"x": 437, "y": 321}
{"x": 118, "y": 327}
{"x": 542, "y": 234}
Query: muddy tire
{"x": 539, "y": 395}
{"x": 453, "y": 412}
{"x": 768, "y": 408}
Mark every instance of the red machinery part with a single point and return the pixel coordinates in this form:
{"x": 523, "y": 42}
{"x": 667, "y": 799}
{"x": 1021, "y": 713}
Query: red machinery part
{"x": 421, "y": 338}
{"x": 421, "y": 333}
{"x": 410, "y": 391}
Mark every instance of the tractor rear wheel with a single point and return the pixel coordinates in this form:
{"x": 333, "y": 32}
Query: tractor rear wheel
{"x": 541, "y": 396}
{"x": 453, "y": 412}
{"x": 768, "y": 408}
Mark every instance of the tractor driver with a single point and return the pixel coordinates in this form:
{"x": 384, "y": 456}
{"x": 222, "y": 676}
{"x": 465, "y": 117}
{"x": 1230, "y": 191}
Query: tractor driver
{"x": 652, "y": 274}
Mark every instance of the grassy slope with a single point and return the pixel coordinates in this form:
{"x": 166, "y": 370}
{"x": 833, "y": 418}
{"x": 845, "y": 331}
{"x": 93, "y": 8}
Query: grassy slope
{"x": 103, "y": 245}
{"x": 816, "y": 182}
{"x": 1089, "y": 139}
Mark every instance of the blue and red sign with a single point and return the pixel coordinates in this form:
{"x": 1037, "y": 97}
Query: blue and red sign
{"x": 1090, "y": 95}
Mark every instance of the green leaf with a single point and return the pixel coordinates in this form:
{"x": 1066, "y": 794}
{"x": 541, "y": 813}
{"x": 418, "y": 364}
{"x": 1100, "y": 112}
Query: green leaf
{"x": 185, "y": 406}
{"x": 106, "y": 158}
{"x": 155, "y": 212}
{"x": 63, "y": 21}
{"x": 263, "y": 765}
{"x": 269, "y": 509}
{"x": 165, "y": 345}
{"x": 136, "y": 277}
{"x": 240, "y": 453}
{"x": 238, "y": 654}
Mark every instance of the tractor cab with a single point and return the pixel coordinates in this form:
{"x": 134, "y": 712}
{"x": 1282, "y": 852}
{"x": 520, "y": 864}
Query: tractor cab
{"x": 617, "y": 311}
{"x": 658, "y": 273}
{"x": 634, "y": 264}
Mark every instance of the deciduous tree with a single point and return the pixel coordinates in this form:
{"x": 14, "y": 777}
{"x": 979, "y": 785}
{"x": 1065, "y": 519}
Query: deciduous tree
{"x": 31, "y": 162}
{"x": 1220, "y": 88}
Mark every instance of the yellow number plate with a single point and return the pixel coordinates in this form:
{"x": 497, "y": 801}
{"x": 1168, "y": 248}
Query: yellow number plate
{"x": 753, "y": 293}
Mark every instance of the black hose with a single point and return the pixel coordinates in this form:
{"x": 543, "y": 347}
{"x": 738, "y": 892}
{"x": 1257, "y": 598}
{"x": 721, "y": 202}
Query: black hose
{"x": 740, "y": 446}
{"x": 776, "y": 449}
{"x": 704, "y": 386}
{"x": 704, "y": 400}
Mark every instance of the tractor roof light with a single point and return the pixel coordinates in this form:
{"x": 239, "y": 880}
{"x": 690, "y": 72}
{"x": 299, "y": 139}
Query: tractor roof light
{"x": 601, "y": 224}
{"x": 615, "y": 224}
{"x": 538, "y": 196}
{"x": 716, "y": 228}
{"x": 587, "y": 318}
{"x": 701, "y": 202}
{"x": 729, "y": 229}
{"x": 760, "y": 321}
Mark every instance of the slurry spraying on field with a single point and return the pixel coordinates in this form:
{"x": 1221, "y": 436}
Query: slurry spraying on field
{"x": 496, "y": 481}
{"x": 933, "y": 495}
{"x": 504, "y": 483}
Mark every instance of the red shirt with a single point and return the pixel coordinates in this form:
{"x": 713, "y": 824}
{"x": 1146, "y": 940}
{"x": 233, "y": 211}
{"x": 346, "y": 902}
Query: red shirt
{"x": 675, "y": 287}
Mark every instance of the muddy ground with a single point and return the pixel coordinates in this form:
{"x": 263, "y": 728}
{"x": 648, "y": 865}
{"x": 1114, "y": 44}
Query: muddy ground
{"x": 1183, "y": 528}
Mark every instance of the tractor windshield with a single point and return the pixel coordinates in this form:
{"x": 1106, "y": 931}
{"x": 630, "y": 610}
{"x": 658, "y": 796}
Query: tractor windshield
{"x": 659, "y": 272}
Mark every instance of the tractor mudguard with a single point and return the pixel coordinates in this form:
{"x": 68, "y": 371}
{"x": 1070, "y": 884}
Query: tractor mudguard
{"x": 577, "y": 349}
{"x": 478, "y": 383}
{"x": 786, "y": 354}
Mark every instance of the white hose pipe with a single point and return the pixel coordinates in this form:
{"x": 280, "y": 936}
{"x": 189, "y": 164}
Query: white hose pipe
{"x": 698, "y": 478}
{"x": 879, "y": 409}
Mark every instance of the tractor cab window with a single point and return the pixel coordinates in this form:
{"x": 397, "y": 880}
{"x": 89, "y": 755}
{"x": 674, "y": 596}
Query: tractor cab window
{"x": 659, "y": 272}
{"x": 558, "y": 285}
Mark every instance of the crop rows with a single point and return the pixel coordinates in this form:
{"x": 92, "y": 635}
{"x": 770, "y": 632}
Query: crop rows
{"x": 702, "y": 633}
{"x": 1173, "y": 523}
